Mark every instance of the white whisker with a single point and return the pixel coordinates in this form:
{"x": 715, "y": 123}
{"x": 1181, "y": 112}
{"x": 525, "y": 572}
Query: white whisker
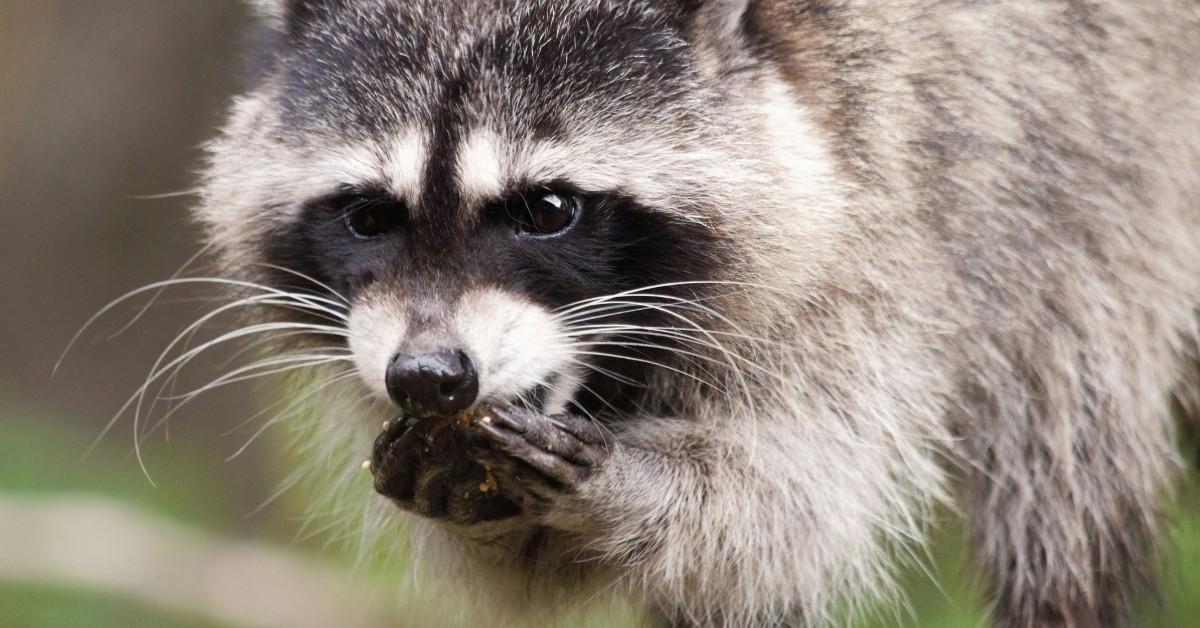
{"x": 165, "y": 195}
{"x": 618, "y": 356}
{"x": 158, "y": 293}
{"x": 293, "y": 404}
{"x": 584, "y": 330}
{"x": 307, "y": 278}
{"x": 337, "y": 379}
{"x": 602, "y": 400}
{"x": 188, "y": 332}
{"x": 687, "y": 356}
{"x": 152, "y": 287}
{"x": 638, "y": 291}
{"x": 624, "y": 306}
{"x": 678, "y": 334}
{"x": 158, "y": 371}
{"x": 253, "y": 371}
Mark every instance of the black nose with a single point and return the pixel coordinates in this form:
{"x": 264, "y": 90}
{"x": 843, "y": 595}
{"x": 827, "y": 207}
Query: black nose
{"x": 441, "y": 383}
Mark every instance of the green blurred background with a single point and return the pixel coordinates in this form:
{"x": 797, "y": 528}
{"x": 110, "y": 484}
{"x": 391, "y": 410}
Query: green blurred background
{"x": 102, "y": 107}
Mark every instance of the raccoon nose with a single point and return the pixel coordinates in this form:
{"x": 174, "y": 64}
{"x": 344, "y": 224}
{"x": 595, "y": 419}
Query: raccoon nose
{"x": 440, "y": 383}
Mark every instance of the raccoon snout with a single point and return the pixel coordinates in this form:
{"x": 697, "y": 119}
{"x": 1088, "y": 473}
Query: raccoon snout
{"x": 438, "y": 383}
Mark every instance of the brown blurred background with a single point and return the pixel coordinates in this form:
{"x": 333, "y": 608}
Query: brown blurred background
{"x": 103, "y": 103}
{"x": 103, "y": 107}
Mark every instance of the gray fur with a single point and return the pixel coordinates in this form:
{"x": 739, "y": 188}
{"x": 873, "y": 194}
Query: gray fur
{"x": 969, "y": 231}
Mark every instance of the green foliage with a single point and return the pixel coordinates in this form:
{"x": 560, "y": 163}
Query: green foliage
{"x": 40, "y": 457}
{"x": 58, "y": 607}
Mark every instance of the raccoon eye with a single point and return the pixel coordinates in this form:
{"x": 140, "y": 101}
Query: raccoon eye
{"x": 366, "y": 218}
{"x": 544, "y": 213}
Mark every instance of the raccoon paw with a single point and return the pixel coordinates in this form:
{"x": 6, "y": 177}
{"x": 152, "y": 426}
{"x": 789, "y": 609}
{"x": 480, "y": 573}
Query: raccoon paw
{"x": 545, "y": 456}
{"x": 423, "y": 468}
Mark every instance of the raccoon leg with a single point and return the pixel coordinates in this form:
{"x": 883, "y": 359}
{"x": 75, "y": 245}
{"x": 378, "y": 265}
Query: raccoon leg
{"x": 711, "y": 525}
{"x": 1063, "y": 501}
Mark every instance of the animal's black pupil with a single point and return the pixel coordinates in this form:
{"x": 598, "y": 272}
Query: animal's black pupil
{"x": 549, "y": 213}
{"x": 367, "y": 218}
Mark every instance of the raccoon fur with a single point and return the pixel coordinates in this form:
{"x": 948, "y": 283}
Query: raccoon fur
{"x": 742, "y": 289}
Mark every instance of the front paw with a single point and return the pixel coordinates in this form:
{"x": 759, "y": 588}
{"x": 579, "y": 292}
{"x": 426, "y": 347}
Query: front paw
{"x": 424, "y": 468}
{"x": 545, "y": 457}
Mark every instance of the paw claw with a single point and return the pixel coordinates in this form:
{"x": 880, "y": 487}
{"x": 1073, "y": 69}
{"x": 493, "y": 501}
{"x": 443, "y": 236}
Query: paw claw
{"x": 506, "y": 418}
{"x": 549, "y": 448}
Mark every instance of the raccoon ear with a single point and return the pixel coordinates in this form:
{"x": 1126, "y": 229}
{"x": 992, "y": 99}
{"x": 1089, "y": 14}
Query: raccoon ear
{"x": 285, "y": 16}
{"x": 719, "y": 26}
{"x": 273, "y": 12}
{"x": 724, "y": 19}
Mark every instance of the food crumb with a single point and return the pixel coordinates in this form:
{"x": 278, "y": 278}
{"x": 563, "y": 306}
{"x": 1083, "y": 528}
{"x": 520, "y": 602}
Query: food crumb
{"x": 489, "y": 482}
{"x": 464, "y": 417}
{"x": 366, "y": 465}
{"x": 473, "y": 415}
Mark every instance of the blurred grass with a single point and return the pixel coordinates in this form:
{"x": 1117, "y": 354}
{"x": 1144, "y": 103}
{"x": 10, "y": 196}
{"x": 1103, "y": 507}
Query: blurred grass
{"x": 1179, "y": 568}
{"x": 40, "y": 606}
{"x": 41, "y": 457}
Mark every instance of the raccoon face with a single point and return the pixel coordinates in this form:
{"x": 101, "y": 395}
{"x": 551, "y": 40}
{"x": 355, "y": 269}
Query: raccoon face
{"x": 449, "y": 307}
{"x": 508, "y": 195}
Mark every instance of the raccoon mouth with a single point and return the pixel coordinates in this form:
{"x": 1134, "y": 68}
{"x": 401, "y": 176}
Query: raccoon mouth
{"x": 434, "y": 430}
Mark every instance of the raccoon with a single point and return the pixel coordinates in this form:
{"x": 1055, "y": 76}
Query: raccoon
{"x": 713, "y": 302}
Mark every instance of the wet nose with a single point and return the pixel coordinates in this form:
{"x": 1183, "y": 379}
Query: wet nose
{"x": 440, "y": 383}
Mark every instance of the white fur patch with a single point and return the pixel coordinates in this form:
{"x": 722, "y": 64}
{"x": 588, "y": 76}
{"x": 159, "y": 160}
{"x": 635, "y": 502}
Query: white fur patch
{"x": 405, "y": 164}
{"x": 251, "y": 171}
{"x": 480, "y": 166}
{"x": 800, "y": 151}
{"x": 516, "y": 345}
{"x": 545, "y": 160}
{"x": 274, "y": 12}
{"x": 377, "y": 328}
